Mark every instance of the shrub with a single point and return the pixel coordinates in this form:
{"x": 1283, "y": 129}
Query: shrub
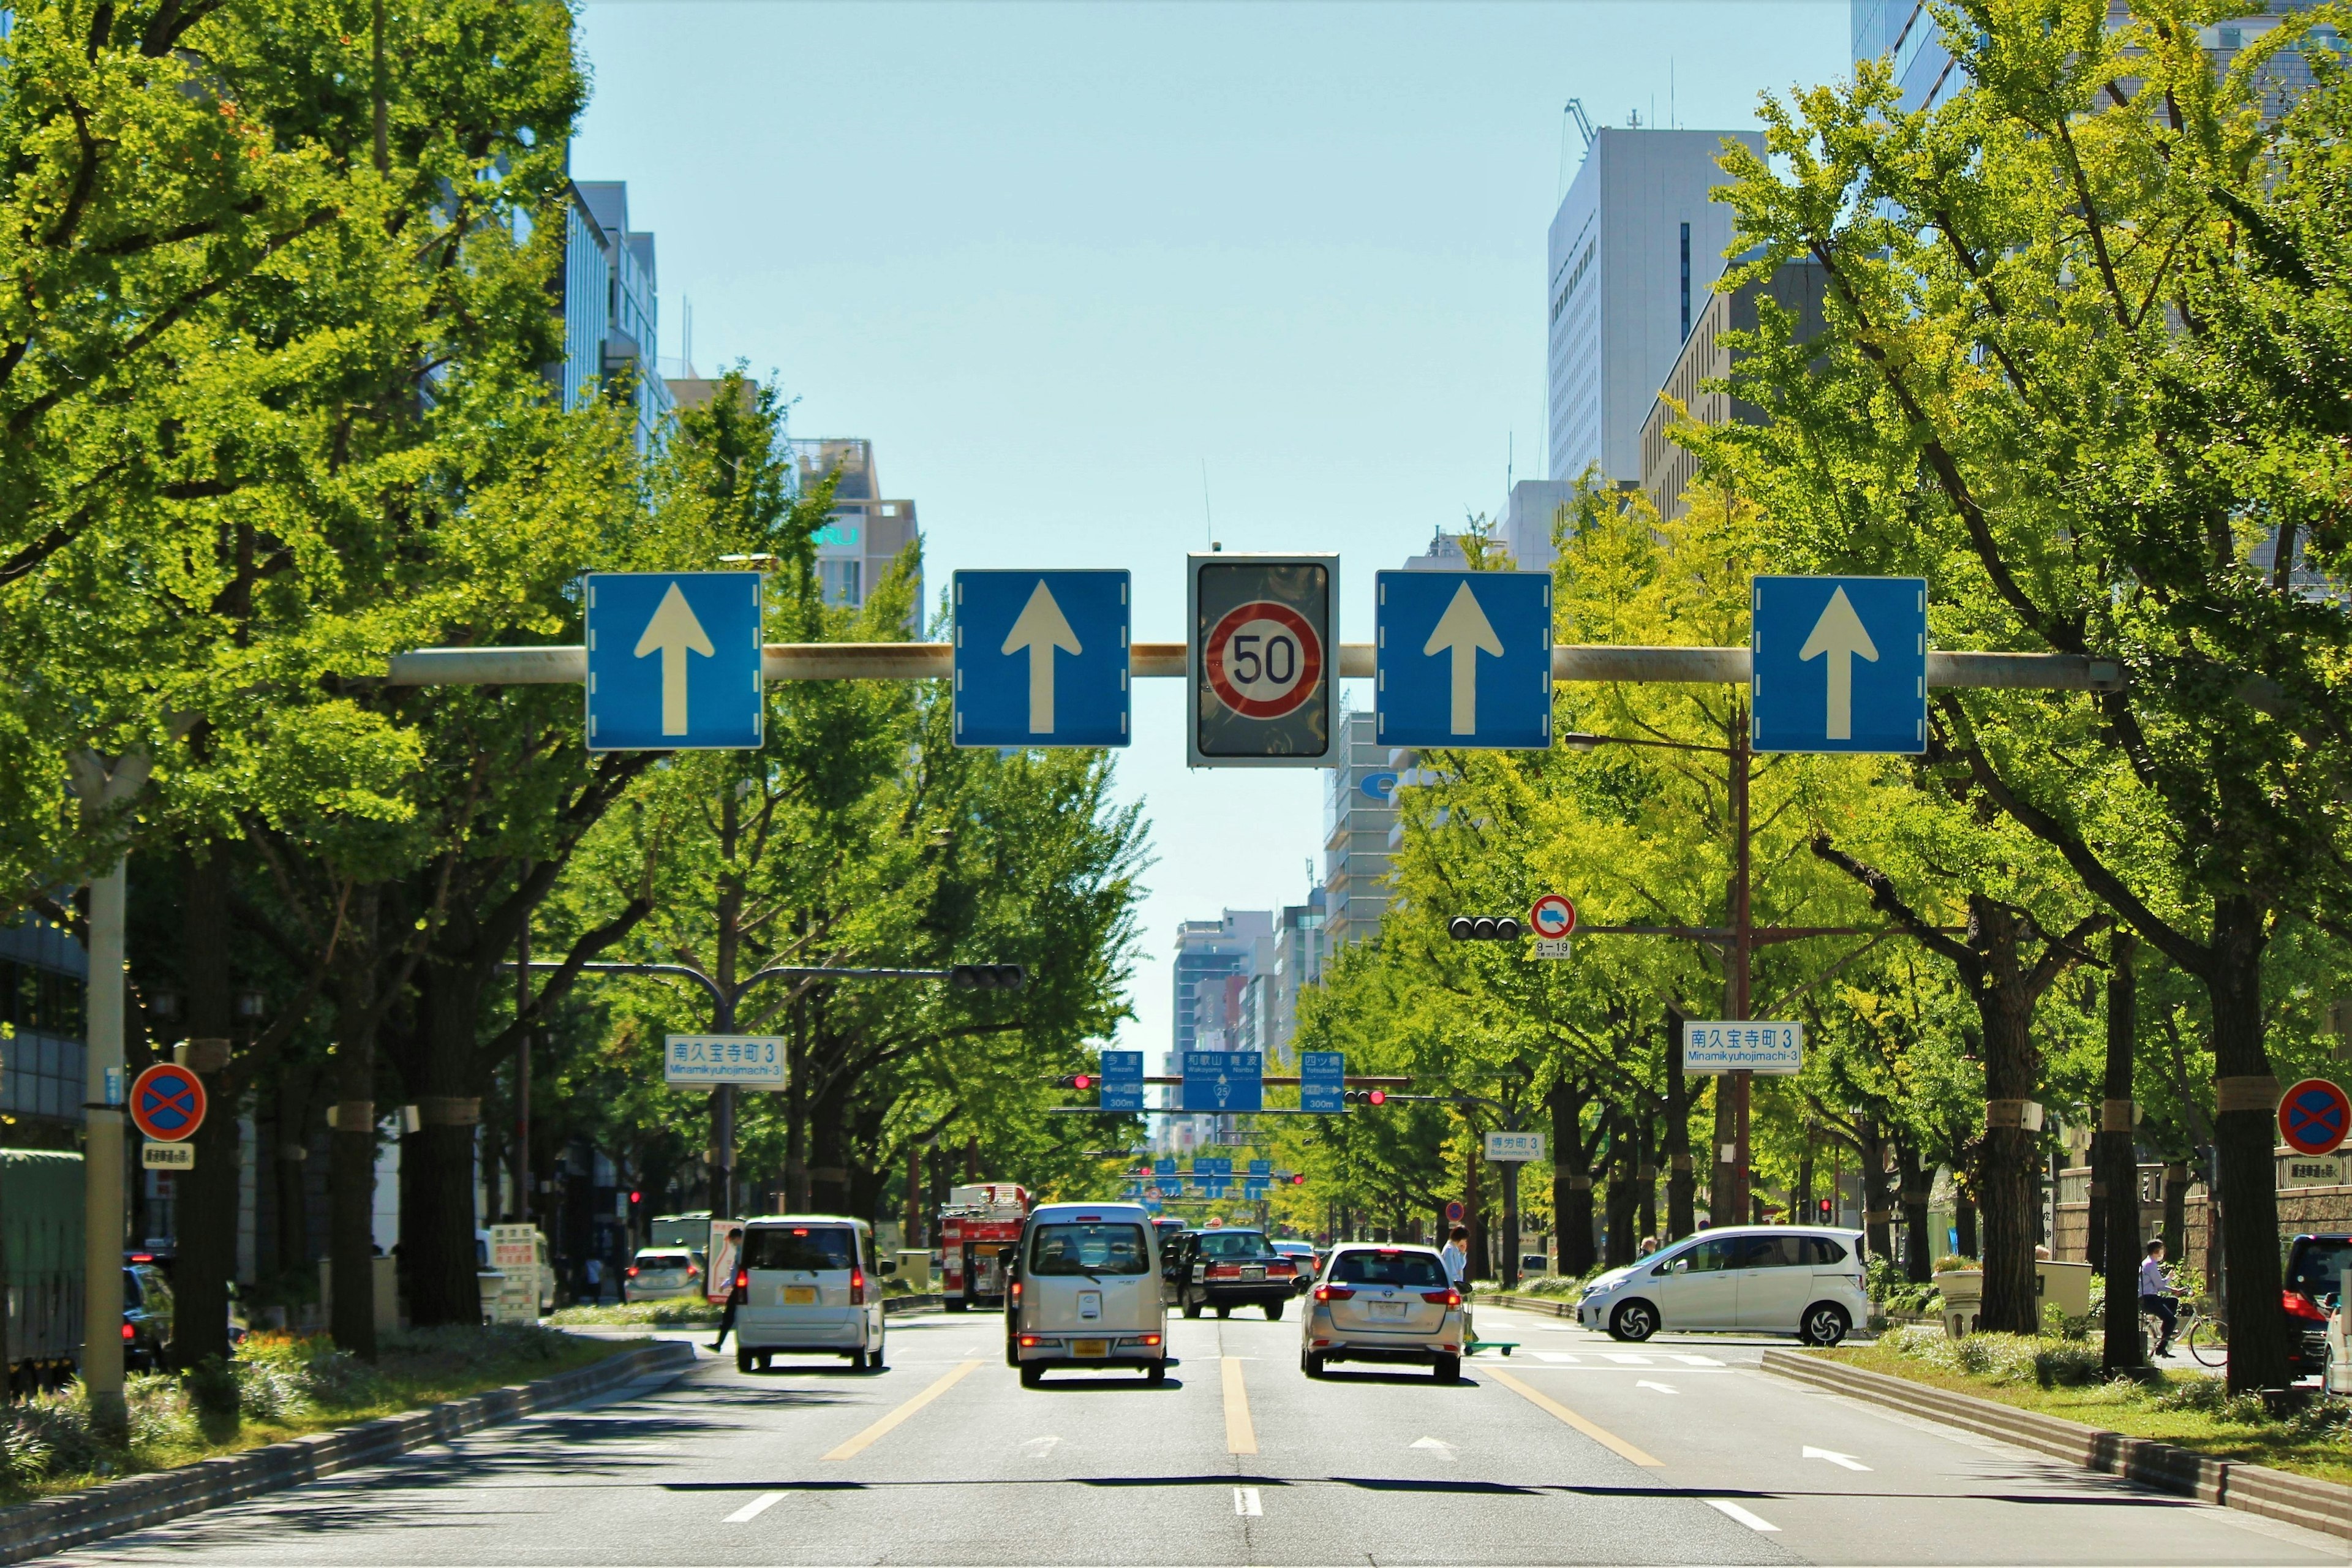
{"x": 1998, "y": 1358}
{"x": 1953, "y": 1263}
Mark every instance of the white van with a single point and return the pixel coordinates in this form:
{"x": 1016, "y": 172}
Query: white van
{"x": 1086, "y": 1292}
{"x": 1773, "y": 1280}
{"x": 810, "y": 1286}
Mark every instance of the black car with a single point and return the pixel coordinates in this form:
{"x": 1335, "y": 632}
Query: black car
{"x": 1229, "y": 1269}
{"x": 2314, "y": 1274}
{"x": 146, "y": 1317}
{"x": 1170, "y": 1233}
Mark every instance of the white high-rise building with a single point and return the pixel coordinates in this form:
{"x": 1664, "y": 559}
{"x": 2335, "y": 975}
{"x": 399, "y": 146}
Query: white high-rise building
{"x": 1634, "y": 248}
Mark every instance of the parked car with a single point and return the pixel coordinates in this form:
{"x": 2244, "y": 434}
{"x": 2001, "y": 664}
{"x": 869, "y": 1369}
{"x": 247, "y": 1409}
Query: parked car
{"x": 1301, "y": 1253}
{"x": 661, "y": 1274}
{"x": 809, "y": 1285}
{"x": 2314, "y": 1275}
{"x": 1774, "y": 1280}
{"x": 1085, "y": 1292}
{"x": 1385, "y": 1304}
{"x": 1166, "y": 1234}
{"x": 146, "y": 1317}
{"x": 1232, "y": 1268}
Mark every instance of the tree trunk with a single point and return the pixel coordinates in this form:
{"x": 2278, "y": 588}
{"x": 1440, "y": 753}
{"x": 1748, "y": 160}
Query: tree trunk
{"x": 1877, "y": 1205}
{"x": 1623, "y": 1197}
{"x": 298, "y": 1113}
{"x": 1964, "y": 1228}
{"x": 2244, "y": 1128}
{"x": 1807, "y": 1211}
{"x": 2007, "y": 1162}
{"x": 2115, "y": 1168}
{"x": 1646, "y": 1173}
{"x": 2176, "y": 1208}
{"x": 436, "y": 1231}
{"x": 351, "y": 1226}
{"x": 1682, "y": 1196}
{"x": 1913, "y": 1192}
{"x": 207, "y": 1208}
{"x": 1474, "y": 1217}
{"x": 1571, "y": 1188}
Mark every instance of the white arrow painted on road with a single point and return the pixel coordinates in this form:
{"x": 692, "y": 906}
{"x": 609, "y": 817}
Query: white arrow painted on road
{"x": 1038, "y": 1447}
{"x": 1661, "y": 1387}
{"x": 674, "y": 631}
{"x": 1041, "y": 627}
{"x": 1442, "y": 1448}
{"x": 1843, "y": 1461}
{"x": 1839, "y": 635}
{"x": 1464, "y": 631}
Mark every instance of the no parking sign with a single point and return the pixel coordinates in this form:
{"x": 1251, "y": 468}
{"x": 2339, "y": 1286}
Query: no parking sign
{"x": 167, "y": 1102}
{"x": 2313, "y": 1117}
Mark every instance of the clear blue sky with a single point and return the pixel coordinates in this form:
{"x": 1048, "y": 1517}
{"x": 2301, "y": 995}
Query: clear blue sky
{"x": 1053, "y": 259}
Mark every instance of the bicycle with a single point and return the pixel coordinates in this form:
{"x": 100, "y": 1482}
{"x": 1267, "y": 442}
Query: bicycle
{"x": 2206, "y": 1337}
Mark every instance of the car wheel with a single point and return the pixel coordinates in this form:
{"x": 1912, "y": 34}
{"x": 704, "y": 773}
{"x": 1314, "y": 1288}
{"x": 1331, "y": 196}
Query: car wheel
{"x": 1158, "y": 1372}
{"x": 1824, "y": 1323}
{"x": 744, "y": 1360}
{"x": 1224, "y": 1312}
{"x": 1274, "y": 1310}
{"x": 1032, "y": 1374}
{"x": 1310, "y": 1363}
{"x": 1448, "y": 1368}
{"x": 1634, "y": 1321}
{"x": 1192, "y": 1309}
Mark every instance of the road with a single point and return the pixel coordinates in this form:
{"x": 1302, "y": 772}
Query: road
{"x": 1573, "y": 1450}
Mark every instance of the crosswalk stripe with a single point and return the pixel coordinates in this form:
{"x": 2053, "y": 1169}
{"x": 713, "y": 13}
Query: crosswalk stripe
{"x": 1730, "y": 1509}
{"x": 1697, "y": 1361}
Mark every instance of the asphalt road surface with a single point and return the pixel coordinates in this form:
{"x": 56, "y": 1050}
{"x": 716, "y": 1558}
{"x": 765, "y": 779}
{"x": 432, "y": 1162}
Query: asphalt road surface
{"x": 1575, "y": 1449}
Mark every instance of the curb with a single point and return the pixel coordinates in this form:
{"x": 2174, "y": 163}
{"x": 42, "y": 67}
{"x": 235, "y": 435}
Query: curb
{"x": 55, "y": 1524}
{"x": 2251, "y": 1489}
{"x": 899, "y": 1306}
{"x": 1557, "y": 1308}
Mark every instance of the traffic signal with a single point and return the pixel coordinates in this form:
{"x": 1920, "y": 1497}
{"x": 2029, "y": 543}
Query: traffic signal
{"x": 988, "y": 977}
{"x": 1079, "y": 1081}
{"x": 636, "y": 1198}
{"x": 1824, "y": 1207}
{"x": 1368, "y": 1097}
{"x": 1298, "y": 1178}
{"x": 1483, "y": 928}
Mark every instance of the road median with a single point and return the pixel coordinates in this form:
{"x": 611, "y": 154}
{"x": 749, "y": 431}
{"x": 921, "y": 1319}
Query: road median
{"x": 54, "y": 1524}
{"x": 2163, "y": 1466}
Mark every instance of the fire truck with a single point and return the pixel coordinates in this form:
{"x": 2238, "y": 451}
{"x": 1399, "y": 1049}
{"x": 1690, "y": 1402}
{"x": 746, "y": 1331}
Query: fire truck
{"x": 977, "y": 1229}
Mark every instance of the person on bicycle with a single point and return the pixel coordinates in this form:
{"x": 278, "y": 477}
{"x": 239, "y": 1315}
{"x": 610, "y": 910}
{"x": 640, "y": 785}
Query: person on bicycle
{"x": 2155, "y": 1296}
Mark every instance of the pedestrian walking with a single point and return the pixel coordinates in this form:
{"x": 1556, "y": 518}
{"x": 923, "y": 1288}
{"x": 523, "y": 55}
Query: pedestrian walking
{"x": 1456, "y": 1253}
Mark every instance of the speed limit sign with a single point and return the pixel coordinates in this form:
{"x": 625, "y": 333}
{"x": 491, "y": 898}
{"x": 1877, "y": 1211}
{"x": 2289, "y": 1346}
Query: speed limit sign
{"x": 1262, "y": 658}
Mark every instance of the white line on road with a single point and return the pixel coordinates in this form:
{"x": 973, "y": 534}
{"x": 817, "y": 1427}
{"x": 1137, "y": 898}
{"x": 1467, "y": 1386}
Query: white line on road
{"x": 1246, "y": 1502}
{"x": 1843, "y": 1461}
{"x": 1698, "y": 1360}
{"x": 1442, "y": 1448}
{"x": 1730, "y": 1509}
{"x": 755, "y": 1507}
{"x": 1038, "y": 1447}
{"x": 1563, "y": 1357}
{"x": 1628, "y": 1359}
{"x": 1661, "y": 1387}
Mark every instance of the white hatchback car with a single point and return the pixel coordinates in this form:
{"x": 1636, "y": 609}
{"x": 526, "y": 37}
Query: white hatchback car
{"x": 1385, "y": 1303}
{"x": 1771, "y": 1280}
{"x": 809, "y": 1286}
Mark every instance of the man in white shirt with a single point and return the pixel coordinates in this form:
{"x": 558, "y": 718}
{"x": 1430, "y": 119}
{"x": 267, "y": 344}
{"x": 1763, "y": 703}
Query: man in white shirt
{"x": 1456, "y": 1254}
{"x": 2156, "y": 1294}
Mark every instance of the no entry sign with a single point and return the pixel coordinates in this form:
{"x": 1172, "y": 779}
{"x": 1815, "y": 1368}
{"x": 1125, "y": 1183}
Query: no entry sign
{"x": 2313, "y": 1117}
{"x": 167, "y": 1102}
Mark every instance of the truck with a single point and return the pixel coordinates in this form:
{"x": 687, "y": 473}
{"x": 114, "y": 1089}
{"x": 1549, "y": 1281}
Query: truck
{"x": 979, "y": 1227}
{"x": 41, "y": 1266}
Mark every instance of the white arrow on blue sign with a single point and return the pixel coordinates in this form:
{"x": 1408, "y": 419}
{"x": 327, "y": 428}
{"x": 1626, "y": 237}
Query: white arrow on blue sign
{"x": 1464, "y": 659}
{"x": 1839, "y": 664}
{"x": 1122, "y": 1081}
{"x": 1224, "y": 1080}
{"x": 673, "y": 662}
{"x": 1041, "y": 658}
{"x": 1323, "y": 1081}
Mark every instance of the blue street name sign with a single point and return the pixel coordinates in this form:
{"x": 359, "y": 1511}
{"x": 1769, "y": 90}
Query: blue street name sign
{"x": 1041, "y": 658}
{"x": 1163, "y": 1168}
{"x": 1213, "y": 1165}
{"x": 1224, "y": 1080}
{"x": 1839, "y": 664}
{"x": 1464, "y": 659}
{"x": 1261, "y": 1167}
{"x": 1122, "y": 1081}
{"x": 1323, "y": 1081}
{"x": 673, "y": 662}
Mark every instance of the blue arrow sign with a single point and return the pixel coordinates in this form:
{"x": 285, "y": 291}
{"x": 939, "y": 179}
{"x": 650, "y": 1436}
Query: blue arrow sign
{"x": 1261, "y": 1167}
{"x": 1839, "y": 664}
{"x": 1041, "y": 658}
{"x": 673, "y": 662}
{"x": 1323, "y": 1081}
{"x": 1122, "y": 1081}
{"x": 1224, "y": 1080}
{"x": 1254, "y": 1187}
{"x": 1464, "y": 659}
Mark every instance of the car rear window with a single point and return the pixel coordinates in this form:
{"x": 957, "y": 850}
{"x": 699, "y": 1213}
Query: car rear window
{"x": 2319, "y": 1267}
{"x": 1081, "y": 1249}
{"x": 664, "y": 1260}
{"x": 1368, "y": 1268}
{"x": 806, "y": 1247}
{"x": 1232, "y": 1244}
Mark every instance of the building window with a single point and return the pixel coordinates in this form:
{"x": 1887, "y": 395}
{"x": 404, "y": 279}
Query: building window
{"x": 1685, "y": 282}
{"x": 839, "y": 581}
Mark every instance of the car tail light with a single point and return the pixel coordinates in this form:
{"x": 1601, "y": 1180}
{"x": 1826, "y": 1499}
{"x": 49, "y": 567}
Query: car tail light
{"x": 1151, "y": 1339}
{"x": 857, "y": 1286}
{"x": 1282, "y": 1268}
{"x": 1333, "y": 1292}
{"x": 692, "y": 1272}
{"x": 2299, "y": 1305}
{"x": 1027, "y": 1341}
{"x": 129, "y": 1332}
{"x": 633, "y": 1271}
{"x": 1225, "y": 1270}
{"x": 1443, "y": 1298}
{"x": 742, "y": 1279}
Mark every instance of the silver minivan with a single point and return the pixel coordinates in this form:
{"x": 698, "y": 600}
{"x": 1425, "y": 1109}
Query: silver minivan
{"x": 1086, "y": 1292}
{"x": 810, "y": 1287}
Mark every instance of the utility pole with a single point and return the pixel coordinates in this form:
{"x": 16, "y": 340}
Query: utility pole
{"x": 1743, "y": 948}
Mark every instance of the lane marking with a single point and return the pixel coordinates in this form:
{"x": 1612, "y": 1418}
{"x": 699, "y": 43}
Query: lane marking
{"x": 1246, "y": 1502}
{"x": 1627, "y": 1360}
{"x": 881, "y": 1428}
{"x": 1843, "y": 1461}
{"x": 1546, "y": 1402}
{"x": 1698, "y": 1360}
{"x": 1562, "y": 1358}
{"x": 1442, "y": 1448}
{"x": 1730, "y": 1509}
{"x": 1038, "y": 1447}
{"x": 755, "y": 1507}
{"x": 1661, "y": 1387}
{"x": 1240, "y": 1437}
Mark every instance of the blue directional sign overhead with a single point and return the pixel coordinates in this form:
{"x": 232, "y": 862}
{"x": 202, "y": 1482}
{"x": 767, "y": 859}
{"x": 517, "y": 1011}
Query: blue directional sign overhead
{"x": 1224, "y": 1080}
{"x": 1839, "y": 664}
{"x": 1041, "y": 658}
{"x": 1464, "y": 659}
{"x": 1323, "y": 1081}
{"x": 1122, "y": 1081}
{"x": 1261, "y": 1168}
{"x": 673, "y": 660}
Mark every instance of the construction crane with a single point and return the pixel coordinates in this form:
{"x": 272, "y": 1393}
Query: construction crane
{"x": 1574, "y": 109}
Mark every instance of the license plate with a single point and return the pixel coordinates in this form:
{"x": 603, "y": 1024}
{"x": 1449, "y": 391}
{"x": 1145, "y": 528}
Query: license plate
{"x": 1251, "y": 1271}
{"x": 1388, "y": 1309}
{"x": 1090, "y": 1347}
{"x": 800, "y": 1295}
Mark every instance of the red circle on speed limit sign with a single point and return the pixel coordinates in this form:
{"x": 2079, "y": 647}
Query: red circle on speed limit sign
{"x": 1263, "y": 659}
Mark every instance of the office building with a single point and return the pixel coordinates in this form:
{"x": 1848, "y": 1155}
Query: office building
{"x": 866, "y": 533}
{"x": 44, "y": 980}
{"x": 1298, "y": 964}
{"x": 1667, "y": 468}
{"x": 1209, "y": 954}
{"x": 1358, "y": 810}
{"x": 612, "y": 310}
{"x": 1530, "y": 514}
{"x": 1634, "y": 248}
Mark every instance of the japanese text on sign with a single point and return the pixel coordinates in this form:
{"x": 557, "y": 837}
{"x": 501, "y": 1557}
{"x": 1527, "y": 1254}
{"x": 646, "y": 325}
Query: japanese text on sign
{"x": 701, "y": 1061}
{"x": 1743, "y": 1047}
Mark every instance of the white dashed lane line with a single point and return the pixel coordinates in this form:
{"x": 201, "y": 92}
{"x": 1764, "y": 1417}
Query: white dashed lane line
{"x": 755, "y": 1507}
{"x": 1246, "y": 1504}
{"x": 1730, "y": 1509}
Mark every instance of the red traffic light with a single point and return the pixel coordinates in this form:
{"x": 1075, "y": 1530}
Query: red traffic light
{"x": 1298, "y": 1178}
{"x": 1082, "y": 1080}
{"x": 1378, "y": 1097}
{"x": 636, "y": 1197}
